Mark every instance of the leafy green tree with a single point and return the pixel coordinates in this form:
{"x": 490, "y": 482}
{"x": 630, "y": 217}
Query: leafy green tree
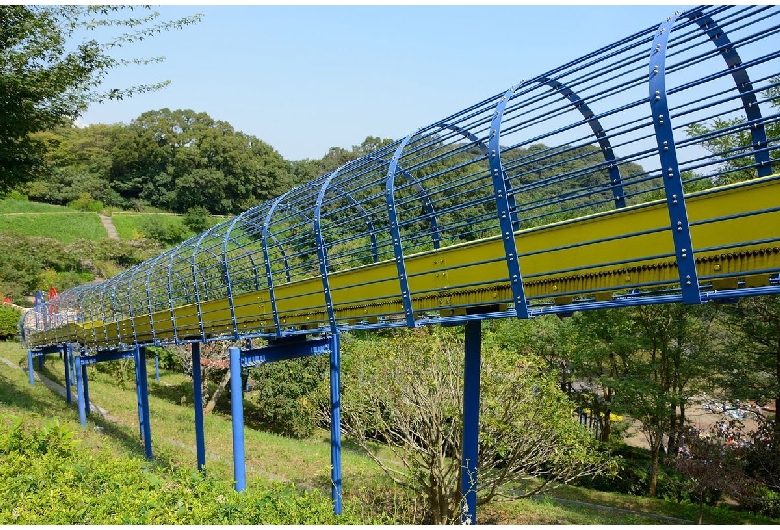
{"x": 46, "y": 77}
{"x": 750, "y": 368}
{"x": 197, "y": 219}
{"x": 76, "y": 161}
{"x": 414, "y": 406}
{"x": 605, "y": 345}
{"x": 675, "y": 344}
{"x": 178, "y": 160}
{"x": 338, "y": 156}
{"x": 731, "y": 140}
{"x": 285, "y": 395}
{"x": 548, "y": 337}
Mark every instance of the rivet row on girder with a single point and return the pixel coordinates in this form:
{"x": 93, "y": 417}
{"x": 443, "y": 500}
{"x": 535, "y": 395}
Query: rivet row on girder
{"x": 673, "y": 187}
{"x": 500, "y": 183}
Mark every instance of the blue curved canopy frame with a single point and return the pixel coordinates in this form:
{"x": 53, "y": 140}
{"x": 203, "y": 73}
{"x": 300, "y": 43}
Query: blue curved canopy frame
{"x": 602, "y": 138}
{"x": 742, "y": 81}
{"x": 670, "y": 172}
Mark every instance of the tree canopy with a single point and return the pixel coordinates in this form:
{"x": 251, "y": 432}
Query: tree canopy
{"x": 174, "y": 160}
{"x": 46, "y": 77}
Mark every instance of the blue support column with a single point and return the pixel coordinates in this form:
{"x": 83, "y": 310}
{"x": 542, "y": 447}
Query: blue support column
{"x": 144, "y": 393}
{"x": 85, "y": 385}
{"x": 335, "y": 421}
{"x": 137, "y": 362}
{"x": 471, "y": 421}
{"x": 30, "y": 369}
{"x": 157, "y": 368}
{"x": 237, "y": 412}
{"x": 197, "y": 384}
{"x": 80, "y": 393}
{"x": 72, "y": 366}
{"x": 67, "y": 353}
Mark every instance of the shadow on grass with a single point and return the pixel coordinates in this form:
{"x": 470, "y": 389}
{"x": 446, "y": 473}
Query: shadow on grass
{"x": 179, "y": 394}
{"x": 124, "y": 435}
{"x": 18, "y": 395}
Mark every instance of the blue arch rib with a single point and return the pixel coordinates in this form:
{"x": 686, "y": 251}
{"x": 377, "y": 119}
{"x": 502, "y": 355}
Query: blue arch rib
{"x": 102, "y": 317}
{"x": 482, "y": 147}
{"x": 395, "y": 231}
{"x": 615, "y": 179}
{"x": 149, "y": 296}
{"x": 369, "y": 223}
{"x": 228, "y": 283}
{"x": 426, "y": 200}
{"x": 194, "y": 269}
{"x": 500, "y": 187}
{"x": 322, "y": 253}
{"x": 266, "y": 255}
{"x": 170, "y": 293}
{"x": 114, "y": 303}
{"x": 670, "y": 171}
{"x": 729, "y": 53}
{"x": 130, "y": 303}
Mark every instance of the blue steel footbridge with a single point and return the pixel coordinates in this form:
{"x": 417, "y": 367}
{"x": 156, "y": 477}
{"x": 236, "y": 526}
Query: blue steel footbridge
{"x": 645, "y": 172}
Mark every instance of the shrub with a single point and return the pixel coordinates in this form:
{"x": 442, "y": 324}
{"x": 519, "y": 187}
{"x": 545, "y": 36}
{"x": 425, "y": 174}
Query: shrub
{"x": 9, "y": 321}
{"x": 197, "y": 219}
{"x": 170, "y": 231}
{"x": 85, "y": 203}
{"x": 287, "y": 394}
{"x": 20, "y": 438}
{"x": 45, "y": 480}
{"x": 121, "y": 371}
{"x": 16, "y": 195}
{"x": 169, "y": 359}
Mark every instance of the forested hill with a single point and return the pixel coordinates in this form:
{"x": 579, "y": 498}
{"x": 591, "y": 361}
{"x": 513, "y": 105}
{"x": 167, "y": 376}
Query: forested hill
{"x": 172, "y": 160}
{"x": 180, "y": 160}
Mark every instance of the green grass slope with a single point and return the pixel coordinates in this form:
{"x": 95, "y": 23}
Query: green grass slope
{"x": 20, "y": 206}
{"x": 54, "y": 472}
{"x": 65, "y": 227}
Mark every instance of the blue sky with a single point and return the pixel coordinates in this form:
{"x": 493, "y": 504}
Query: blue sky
{"x": 307, "y": 78}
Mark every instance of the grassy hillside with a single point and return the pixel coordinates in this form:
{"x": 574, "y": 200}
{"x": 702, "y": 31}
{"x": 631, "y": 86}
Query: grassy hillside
{"x": 62, "y": 226}
{"x": 22, "y": 206}
{"x": 66, "y": 224}
{"x": 272, "y": 461}
{"x": 55, "y": 472}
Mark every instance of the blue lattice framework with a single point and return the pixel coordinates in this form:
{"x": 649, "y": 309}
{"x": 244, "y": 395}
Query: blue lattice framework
{"x": 499, "y": 210}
